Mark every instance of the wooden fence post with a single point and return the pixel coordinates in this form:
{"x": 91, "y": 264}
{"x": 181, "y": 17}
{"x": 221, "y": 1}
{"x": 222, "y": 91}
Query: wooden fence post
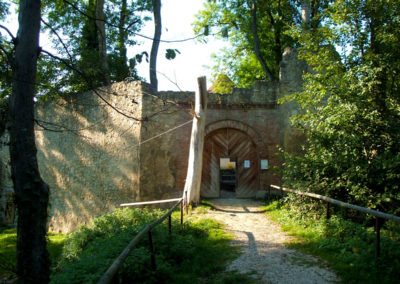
{"x": 378, "y": 237}
{"x": 170, "y": 226}
{"x": 182, "y": 202}
{"x": 328, "y": 213}
{"x": 152, "y": 256}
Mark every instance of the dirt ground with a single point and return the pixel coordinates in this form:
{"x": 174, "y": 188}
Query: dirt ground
{"x": 264, "y": 255}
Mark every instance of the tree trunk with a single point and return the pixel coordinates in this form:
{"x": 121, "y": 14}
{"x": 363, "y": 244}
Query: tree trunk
{"x": 156, "y": 43}
{"x": 257, "y": 41}
{"x": 122, "y": 70}
{"x": 31, "y": 193}
{"x": 101, "y": 41}
{"x": 306, "y": 13}
{"x": 195, "y": 163}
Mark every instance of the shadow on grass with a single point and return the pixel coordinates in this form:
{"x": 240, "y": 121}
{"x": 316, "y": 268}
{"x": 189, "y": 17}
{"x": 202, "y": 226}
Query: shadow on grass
{"x": 8, "y": 251}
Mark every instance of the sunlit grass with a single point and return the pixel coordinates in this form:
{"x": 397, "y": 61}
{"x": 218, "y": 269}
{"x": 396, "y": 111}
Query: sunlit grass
{"x": 348, "y": 247}
{"x": 8, "y": 250}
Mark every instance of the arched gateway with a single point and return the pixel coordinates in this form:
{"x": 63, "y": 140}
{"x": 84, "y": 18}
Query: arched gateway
{"x": 230, "y": 160}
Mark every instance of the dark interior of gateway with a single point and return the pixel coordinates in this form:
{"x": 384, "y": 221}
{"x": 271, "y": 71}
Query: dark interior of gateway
{"x": 227, "y": 170}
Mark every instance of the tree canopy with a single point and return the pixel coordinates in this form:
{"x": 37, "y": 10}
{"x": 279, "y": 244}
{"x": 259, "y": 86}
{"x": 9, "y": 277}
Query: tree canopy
{"x": 350, "y": 105}
{"x": 257, "y": 32}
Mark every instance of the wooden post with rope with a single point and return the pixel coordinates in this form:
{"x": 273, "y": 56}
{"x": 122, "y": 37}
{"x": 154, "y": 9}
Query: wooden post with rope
{"x": 195, "y": 162}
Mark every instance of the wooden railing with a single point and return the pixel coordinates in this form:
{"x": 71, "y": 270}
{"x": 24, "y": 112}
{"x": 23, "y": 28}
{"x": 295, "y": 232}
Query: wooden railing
{"x": 378, "y": 215}
{"x": 112, "y": 272}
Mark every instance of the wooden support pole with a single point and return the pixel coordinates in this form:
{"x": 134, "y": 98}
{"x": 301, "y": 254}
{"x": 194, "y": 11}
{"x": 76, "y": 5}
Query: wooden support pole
{"x": 152, "y": 256}
{"x": 195, "y": 161}
{"x": 378, "y": 237}
{"x": 269, "y": 193}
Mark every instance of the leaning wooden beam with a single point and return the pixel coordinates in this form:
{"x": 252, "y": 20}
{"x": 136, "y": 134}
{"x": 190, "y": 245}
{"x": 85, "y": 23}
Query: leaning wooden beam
{"x": 150, "y": 202}
{"x": 341, "y": 203}
{"x": 195, "y": 162}
{"x": 113, "y": 269}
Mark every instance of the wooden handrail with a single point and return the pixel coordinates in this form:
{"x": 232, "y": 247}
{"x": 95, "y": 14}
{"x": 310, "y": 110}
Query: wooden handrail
{"x": 378, "y": 215}
{"x": 341, "y": 203}
{"x": 150, "y": 202}
{"x": 113, "y": 269}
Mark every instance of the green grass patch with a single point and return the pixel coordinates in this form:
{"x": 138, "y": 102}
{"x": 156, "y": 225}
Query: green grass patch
{"x": 347, "y": 246}
{"x": 8, "y": 250}
{"x": 197, "y": 251}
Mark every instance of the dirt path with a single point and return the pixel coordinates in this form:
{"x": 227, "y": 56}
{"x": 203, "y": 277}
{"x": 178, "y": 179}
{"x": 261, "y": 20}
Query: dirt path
{"x": 264, "y": 254}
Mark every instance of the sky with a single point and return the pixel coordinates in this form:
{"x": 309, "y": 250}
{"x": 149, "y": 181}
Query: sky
{"x": 177, "y": 17}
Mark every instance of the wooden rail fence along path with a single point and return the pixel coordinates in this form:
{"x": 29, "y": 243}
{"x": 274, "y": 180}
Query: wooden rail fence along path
{"x": 112, "y": 272}
{"x": 378, "y": 215}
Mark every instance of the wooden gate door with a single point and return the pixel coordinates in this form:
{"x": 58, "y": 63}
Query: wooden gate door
{"x": 234, "y": 144}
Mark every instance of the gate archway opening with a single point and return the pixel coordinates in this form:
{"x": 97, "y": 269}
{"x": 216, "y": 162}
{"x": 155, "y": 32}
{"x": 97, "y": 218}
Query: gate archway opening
{"x": 230, "y": 162}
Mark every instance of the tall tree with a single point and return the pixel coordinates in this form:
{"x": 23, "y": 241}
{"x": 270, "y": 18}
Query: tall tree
{"x": 31, "y": 193}
{"x": 102, "y": 40}
{"x": 351, "y": 105}
{"x": 257, "y": 31}
{"x": 156, "y": 43}
{"x": 92, "y": 37}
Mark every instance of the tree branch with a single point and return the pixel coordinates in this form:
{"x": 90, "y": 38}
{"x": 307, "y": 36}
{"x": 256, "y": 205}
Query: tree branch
{"x": 90, "y": 84}
{"x": 59, "y": 38}
{"x": 8, "y": 31}
{"x": 257, "y": 41}
{"x": 134, "y": 33}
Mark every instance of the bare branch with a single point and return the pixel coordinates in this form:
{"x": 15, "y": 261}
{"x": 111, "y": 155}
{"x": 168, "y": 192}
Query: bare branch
{"x": 90, "y": 84}
{"x": 8, "y": 31}
{"x": 59, "y": 38}
{"x": 134, "y": 33}
{"x": 7, "y": 54}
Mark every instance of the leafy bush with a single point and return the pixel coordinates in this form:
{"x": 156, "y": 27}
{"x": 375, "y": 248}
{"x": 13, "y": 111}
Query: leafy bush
{"x": 348, "y": 246}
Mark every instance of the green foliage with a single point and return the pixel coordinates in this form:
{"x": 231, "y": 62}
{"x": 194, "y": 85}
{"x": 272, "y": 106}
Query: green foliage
{"x": 5, "y": 68}
{"x": 199, "y": 248}
{"x": 81, "y": 67}
{"x": 171, "y": 53}
{"x": 232, "y": 20}
{"x": 348, "y": 247}
{"x": 222, "y": 85}
{"x": 350, "y": 106}
{"x": 8, "y": 250}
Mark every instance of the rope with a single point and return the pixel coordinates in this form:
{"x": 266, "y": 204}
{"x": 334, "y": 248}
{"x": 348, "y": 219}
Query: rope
{"x": 165, "y": 132}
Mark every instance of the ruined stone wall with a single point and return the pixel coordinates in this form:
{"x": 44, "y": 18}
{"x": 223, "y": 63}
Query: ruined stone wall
{"x": 291, "y": 81}
{"x": 165, "y": 155}
{"x": 90, "y": 160}
{"x": 94, "y": 158}
{"x": 254, "y": 107}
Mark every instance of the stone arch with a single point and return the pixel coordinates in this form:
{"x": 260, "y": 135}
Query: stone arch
{"x": 235, "y": 124}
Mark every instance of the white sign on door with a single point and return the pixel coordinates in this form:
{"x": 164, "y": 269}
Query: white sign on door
{"x": 246, "y": 164}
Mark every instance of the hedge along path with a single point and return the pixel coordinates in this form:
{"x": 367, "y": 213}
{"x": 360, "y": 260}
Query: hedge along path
{"x": 264, "y": 255}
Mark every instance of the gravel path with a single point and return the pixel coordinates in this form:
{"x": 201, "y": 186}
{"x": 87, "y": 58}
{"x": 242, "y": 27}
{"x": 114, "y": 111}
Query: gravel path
{"x": 264, "y": 254}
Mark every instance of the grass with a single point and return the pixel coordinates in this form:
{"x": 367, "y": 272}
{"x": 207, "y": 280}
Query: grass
{"x": 8, "y": 250}
{"x": 348, "y": 247}
{"x": 197, "y": 252}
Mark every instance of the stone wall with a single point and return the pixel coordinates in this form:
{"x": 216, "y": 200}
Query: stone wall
{"x": 88, "y": 153}
{"x": 94, "y": 155}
